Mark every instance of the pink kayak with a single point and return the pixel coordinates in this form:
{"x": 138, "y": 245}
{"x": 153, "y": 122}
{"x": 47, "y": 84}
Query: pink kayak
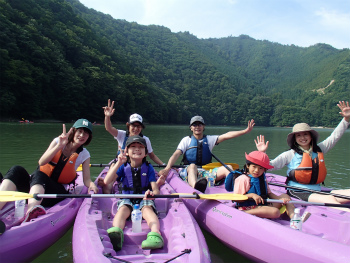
{"x": 325, "y": 236}
{"x": 24, "y": 242}
{"x": 183, "y": 239}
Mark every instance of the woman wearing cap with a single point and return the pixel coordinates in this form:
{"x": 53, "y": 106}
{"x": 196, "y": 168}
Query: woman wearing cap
{"x": 252, "y": 183}
{"x": 57, "y": 169}
{"x": 134, "y": 127}
{"x": 306, "y": 152}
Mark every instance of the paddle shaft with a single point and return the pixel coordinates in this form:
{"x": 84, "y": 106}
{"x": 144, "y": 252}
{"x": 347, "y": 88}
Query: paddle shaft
{"x": 111, "y": 195}
{"x": 154, "y": 165}
{"x": 228, "y": 168}
{"x": 308, "y": 203}
{"x": 310, "y": 190}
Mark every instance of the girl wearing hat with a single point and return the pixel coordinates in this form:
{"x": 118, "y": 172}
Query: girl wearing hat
{"x": 252, "y": 183}
{"x": 57, "y": 169}
{"x": 305, "y": 161}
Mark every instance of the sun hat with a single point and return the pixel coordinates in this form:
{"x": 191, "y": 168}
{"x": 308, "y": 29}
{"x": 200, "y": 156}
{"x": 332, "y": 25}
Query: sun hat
{"x": 259, "y": 158}
{"x": 301, "y": 127}
{"x": 83, "y": 123}
{"x": 197, "y": 119}
{"x": 136, "y": 138}
{"x": 136, "y": 118}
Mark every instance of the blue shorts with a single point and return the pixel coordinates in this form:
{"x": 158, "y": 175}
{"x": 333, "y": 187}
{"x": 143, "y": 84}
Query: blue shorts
{"x": 201, "y": 173}
{"x": 143, "y": 203}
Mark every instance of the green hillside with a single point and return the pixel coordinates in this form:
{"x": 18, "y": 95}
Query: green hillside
{"x": 60, "y": 60}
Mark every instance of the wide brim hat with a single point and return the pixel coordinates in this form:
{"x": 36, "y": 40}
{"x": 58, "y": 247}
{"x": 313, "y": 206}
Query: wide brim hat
{"x": 137, "y": 139}
{"x": 301, "y": 127}
{"x": 136, "y": 118}
{"x": 197, "y": 119}
{"x": 83, "y": 123}
{"x": 259, "y": 158}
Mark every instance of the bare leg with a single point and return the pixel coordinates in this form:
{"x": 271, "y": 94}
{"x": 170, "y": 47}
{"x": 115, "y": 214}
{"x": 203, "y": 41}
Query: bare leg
{"x": 222, "y": 172}
{"x": 264, "y": 212}
{"x": 151, "y": 218}
{"x": 7, "y": 185}
{"x": 121, "y": 216}
{"x": 192, "y": 174}
{"x": 35, "y": 189}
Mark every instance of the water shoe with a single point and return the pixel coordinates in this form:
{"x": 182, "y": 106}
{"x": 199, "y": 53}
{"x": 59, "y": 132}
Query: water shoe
{"x": 116, "y": 235}
{"x": 153, "y": 241}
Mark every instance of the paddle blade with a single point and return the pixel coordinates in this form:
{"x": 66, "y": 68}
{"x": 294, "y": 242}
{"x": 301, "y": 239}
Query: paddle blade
{"x": 224, "y": 196}
{"x": 7, "y": 196}
{"x": 217, "y": 164}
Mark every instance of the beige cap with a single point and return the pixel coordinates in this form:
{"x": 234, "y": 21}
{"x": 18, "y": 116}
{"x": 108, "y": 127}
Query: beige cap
{"x": 301, "y": 127}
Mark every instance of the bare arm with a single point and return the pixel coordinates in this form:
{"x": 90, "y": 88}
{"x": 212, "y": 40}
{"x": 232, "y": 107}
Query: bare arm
{"x": 155, "y": 158}
{"x": 86, "y": 176}
{"x": 171, "y": 162}
{"x": 233, "y": 134}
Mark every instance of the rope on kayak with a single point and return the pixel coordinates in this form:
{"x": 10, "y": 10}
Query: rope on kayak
{"x": 186, "y": 251}
{"x": 109, "y": 255}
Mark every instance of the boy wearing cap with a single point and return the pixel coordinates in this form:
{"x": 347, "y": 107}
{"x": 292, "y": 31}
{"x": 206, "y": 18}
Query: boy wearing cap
{"x": 197, "y": 150}
{"x": 305, "y": 152}
{"x": 136, "y": 176}
{"x": 134, "y": 127}
{"x": 57, "y": 169}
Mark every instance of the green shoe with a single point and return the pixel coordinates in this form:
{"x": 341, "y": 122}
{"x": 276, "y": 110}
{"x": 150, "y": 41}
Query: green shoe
{"x": 116, "y": 235}
{"x": 153, "y": 241}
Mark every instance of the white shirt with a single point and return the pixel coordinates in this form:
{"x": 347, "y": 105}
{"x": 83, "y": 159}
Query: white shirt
{"x": 121, "y": 137}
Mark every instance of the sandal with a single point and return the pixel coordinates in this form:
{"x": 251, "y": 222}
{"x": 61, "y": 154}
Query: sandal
{"x": 201, "y": 184}
{"x": 116, "y": 235}
{"x": 36, "y": 211}
{"x": 153, "y": 241}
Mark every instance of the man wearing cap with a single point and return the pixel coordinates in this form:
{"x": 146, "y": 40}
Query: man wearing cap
{"x": 134, "y": 127}
{"x": 197, "y": 150}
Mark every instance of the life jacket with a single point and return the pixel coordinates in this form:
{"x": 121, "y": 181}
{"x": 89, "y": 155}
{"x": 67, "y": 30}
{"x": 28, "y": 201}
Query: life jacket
{"x": 309, "y": 171}
{"x": 198, "y": 152}
{"x": 61, "y": 169}
{"x": 258, "y": 186}
{"x": 135, "y": 181}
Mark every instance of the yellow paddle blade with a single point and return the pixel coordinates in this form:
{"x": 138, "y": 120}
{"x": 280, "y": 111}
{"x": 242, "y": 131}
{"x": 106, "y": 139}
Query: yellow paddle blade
{"x": 223, "y": 196}
{"x": 217, "y": 164}
{"x": 7, "y": 196}
{"x": 80, "y": 168}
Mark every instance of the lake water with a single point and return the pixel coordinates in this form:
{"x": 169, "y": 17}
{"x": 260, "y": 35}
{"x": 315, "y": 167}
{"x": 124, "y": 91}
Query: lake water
{"x": 23, "y": 144}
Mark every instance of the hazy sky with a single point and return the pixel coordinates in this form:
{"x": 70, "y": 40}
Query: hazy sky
{"x": 300, "y": 22}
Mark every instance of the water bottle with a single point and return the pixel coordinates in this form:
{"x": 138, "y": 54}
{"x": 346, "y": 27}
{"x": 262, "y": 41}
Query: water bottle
{"x": 19, "y": 208}
{"x": 136, "y": 217}
{"x": 211, "y": 180}
{"x": 296, "y": 222}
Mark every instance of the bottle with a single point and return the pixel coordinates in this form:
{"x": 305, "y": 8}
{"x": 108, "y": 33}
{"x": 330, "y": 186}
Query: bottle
{"x": 211, "y": 180}
{"x": 296, "y": 222}
{"x": 19, "y": 208}
{"x": 136, "y": 218}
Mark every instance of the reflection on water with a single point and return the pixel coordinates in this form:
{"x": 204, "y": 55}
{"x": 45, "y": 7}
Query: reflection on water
{"x": 23, "y": 144}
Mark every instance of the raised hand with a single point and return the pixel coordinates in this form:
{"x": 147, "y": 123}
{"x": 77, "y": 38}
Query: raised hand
{"x": 345, "y": 109}
{"x": 260, "y": 143}
{"x": 250, "y": 126}
{"x": 63, "y": 138}
{"x": 122, "y": 157}
{"x": 109, "y": 109}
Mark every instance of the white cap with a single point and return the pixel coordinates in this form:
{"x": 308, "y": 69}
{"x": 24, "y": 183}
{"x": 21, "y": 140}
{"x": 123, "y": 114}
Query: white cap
{"x": 135, "y": 118}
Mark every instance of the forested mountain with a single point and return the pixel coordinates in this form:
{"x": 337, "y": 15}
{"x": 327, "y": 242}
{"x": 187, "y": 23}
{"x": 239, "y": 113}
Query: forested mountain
{"x": 60, "y": 60}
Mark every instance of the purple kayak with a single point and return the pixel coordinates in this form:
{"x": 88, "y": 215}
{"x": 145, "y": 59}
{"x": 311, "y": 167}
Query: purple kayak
{"x": 325, "y": 236}
{"x": 183, "y": 239}
{"x": 24, "y": 242}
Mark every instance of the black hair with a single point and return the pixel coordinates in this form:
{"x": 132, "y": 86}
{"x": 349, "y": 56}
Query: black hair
{"x": 315, "y": 147}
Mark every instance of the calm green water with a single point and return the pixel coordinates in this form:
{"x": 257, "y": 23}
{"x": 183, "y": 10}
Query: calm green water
{"x": 23, "y": 144}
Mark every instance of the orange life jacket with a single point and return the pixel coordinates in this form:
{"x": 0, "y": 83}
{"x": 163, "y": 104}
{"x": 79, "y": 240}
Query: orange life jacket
{"x": 310, "y": 171}
{"x": 61, "y": 168}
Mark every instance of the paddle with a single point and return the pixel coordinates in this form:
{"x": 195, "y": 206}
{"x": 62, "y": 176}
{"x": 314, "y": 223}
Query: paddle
{"x": 6, "y": 196}
{"x": 307, "y": 203}
{"x": 206, "y": 167}
{"x": 310, "y": 190}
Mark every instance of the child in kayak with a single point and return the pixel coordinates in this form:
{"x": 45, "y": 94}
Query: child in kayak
{"x": 197, "y": 150}
{"x": 129, "y": 169}
{"x": 57, "y": 169}
{"x": 134, "y": 127}
{"x": 306, "y": 152}
{"x": 252, "y": 183}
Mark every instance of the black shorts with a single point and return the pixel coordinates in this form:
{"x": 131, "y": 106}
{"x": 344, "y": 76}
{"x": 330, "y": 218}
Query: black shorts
{"x": 301, "y": 195}
{"x": 23, "y": 181}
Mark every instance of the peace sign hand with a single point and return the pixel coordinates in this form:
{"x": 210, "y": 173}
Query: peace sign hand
{"x": 63, "y": 138}
{"x": 122, "y": 156}
{"x": 109, "y": 109}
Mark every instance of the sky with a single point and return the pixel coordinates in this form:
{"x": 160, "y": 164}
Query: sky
{"x": 299, "y": 22}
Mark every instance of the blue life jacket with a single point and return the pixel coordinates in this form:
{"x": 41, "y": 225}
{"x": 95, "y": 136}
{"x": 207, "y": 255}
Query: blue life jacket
{"x": 198, "y": 152}
{"x": 257, "y": 186}
{"x": 135, "y": 181}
